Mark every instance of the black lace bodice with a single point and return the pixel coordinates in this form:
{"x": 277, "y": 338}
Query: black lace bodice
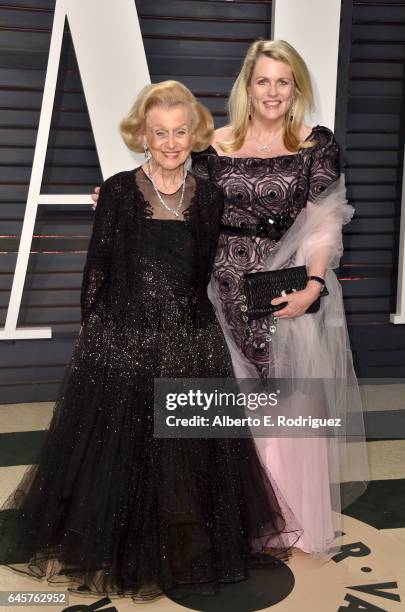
{"x": 169, "y": 239}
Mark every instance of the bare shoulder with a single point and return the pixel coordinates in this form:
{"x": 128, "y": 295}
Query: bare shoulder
{"x": 223, "y": 133}
{"x": 305, "y": 131}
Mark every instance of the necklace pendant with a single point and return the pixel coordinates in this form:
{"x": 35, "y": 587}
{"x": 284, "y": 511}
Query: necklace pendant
{"x": 264, "y": 148}
{"x": 174, "y": 211}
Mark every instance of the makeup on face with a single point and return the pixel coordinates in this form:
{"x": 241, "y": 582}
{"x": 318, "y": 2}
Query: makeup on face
{"x": 168, "y": 135}
{"x": 271, "y": 88}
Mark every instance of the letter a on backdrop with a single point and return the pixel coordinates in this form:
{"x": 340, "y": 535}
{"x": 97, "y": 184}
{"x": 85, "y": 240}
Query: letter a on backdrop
{"x": 112, "y": 64}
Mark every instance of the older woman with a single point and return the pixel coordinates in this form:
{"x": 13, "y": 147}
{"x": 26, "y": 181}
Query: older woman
{"x": 111, "y": 507}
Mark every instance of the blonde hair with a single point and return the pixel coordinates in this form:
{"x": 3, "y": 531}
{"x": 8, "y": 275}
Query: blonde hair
{"x": 166, "y": 94}
{"x": 238, "y": 105}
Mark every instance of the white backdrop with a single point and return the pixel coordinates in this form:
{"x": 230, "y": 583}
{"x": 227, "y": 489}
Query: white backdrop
{"x": 312, "y": 27}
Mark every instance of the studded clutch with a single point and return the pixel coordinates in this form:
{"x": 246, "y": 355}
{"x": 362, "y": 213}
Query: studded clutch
{"x": 260, "y": 288}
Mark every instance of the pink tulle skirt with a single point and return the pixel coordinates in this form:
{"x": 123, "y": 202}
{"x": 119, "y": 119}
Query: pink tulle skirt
{"x": 299, "y": 467}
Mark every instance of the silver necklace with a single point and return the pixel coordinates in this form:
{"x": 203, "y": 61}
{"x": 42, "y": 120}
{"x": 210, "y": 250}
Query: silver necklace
{"x": 177, "y": 209}
{"x": 264, "y": 147}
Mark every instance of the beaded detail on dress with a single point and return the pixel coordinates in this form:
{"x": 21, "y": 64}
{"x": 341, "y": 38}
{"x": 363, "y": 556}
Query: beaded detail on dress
{"x": 109, "y": 508}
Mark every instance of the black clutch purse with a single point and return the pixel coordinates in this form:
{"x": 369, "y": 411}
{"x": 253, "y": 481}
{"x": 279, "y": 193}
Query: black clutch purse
{"x": 259, "y": 288}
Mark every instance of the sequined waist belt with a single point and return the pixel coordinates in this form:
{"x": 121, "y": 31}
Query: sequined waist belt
{"x": 272, "y": 226}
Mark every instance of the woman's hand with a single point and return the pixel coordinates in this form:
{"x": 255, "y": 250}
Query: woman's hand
{"x": 297, "y": 302}
{"x": 94, "y": 197}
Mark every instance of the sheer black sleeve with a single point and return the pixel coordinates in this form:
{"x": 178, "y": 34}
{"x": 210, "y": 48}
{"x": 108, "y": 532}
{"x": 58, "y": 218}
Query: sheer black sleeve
{"x": 325, "y": 164}
{"x": 216, "y": 212}
{"x": 97, "y": 266}
{"x": 207, "y": 228}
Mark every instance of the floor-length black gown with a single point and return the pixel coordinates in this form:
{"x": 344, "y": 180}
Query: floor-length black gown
{"x": 110, "y": 508}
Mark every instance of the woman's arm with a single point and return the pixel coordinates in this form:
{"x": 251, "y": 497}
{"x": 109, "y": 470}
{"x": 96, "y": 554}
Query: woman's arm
{"x": 324, "y": 173}
{"x": 95, "y": 196}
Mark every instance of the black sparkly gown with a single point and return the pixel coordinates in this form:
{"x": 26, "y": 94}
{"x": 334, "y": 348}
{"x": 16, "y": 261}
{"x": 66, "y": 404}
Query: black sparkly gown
{"x": 109, "y": 508}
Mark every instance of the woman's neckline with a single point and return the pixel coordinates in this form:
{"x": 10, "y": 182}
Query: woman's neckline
{"x": 266, "y": 158}
{"x": 147, "y": 204}
{"x": 163, "y": 193}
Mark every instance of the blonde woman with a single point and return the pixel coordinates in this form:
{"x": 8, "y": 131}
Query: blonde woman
{"x": 285, "y": 205}
{"x": 269, "y": 165}
{"x": 110, "y": 508}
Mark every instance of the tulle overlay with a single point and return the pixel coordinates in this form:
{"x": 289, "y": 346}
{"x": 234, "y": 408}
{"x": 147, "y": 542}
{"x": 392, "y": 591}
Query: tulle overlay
{"x": 315, "y": 348}
{"x": 109, "y": 509}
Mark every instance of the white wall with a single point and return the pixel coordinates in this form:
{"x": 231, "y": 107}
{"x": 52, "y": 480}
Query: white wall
{"x": 312, "y": 27}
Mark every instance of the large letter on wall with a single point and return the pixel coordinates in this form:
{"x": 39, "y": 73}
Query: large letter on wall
{"x": 312, "y": 27}
{"x": 112, "y": 64}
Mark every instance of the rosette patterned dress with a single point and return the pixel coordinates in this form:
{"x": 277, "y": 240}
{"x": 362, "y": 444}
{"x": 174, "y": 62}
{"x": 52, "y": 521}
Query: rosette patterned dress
{"x": 263, "y": 197}
{"x": 266, "y": 194}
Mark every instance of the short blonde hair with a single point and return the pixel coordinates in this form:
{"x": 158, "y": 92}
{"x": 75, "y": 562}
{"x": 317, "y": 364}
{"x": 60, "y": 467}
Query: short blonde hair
{"x": 166, "y": 94}
{"x": 238, "y": 104}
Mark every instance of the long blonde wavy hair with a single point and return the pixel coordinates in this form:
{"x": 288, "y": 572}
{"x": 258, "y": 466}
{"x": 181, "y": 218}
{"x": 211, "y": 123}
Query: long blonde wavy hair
{"x": 238, "y": 105}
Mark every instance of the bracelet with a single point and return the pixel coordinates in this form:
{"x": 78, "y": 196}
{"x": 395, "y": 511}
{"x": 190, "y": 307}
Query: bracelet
{"x": 318, "y": 279}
